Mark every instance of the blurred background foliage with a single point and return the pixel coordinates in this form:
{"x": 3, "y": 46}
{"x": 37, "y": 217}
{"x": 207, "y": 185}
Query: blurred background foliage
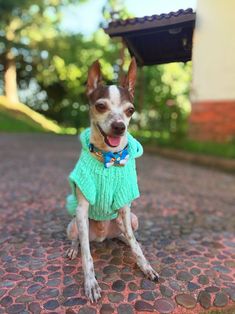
{"x": 46, "y": 68}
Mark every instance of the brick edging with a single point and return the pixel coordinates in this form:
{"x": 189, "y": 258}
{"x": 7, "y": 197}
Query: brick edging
{"x": 212, "y": 120}
{"x": 200, "y": 159}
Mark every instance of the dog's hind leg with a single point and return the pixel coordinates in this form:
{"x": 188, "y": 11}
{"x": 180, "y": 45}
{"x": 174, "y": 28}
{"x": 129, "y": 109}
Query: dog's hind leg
{"x": 124, "y": 223}
{"x": 72, "y": 233}
{"x": 134, "y": 225}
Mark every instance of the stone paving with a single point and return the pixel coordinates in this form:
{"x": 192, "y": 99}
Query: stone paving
{"x": 187, "y": 224}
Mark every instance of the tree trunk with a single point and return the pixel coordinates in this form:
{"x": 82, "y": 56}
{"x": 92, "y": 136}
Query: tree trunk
{"x": 10, "y": 82}
{"x": 141, "y": 89}
{"x": 141, "y": 93}
{"x": 121, "y": 74}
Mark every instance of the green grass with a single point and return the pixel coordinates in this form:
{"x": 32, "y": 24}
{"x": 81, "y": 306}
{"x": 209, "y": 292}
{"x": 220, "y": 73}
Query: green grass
{"x": 225, "y": 150}
{"x": 17, "y": 122}
{"x": 17, "y": 117}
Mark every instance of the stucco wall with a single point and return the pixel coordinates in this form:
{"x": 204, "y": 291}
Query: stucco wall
{"x": 214, "y": 51}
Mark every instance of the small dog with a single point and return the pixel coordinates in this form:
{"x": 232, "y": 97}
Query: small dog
{"x": 104, "y": 181}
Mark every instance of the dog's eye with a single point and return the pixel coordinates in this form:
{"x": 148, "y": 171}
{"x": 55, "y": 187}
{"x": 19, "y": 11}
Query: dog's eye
{"x": 100, "y": 106}
{"x": 130, "y": 111}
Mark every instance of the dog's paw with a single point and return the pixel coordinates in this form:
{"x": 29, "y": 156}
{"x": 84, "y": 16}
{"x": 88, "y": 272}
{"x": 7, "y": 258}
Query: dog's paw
{"x": 150, "y": 273}
{"x": 71, "y": 253}
{"x": 92, "y": 290}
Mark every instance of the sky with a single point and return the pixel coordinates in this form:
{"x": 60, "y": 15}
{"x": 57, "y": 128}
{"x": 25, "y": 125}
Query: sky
{"x": 85, "y": 18}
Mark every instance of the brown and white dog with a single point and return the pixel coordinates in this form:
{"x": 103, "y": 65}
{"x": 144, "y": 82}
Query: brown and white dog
{"x": 111, "y": 108}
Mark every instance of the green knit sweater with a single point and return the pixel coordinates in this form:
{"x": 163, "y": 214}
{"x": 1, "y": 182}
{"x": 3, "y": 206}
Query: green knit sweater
{"x": 106, "y": 189}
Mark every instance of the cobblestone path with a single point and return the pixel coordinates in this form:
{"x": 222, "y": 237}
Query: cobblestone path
{"x": 187, "y": 226}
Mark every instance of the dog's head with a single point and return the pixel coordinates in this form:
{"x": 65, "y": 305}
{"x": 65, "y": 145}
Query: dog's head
{"x": 111, "y": 107}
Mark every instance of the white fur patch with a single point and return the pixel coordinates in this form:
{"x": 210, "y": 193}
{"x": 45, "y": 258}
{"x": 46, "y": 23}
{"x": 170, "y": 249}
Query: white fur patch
{"x": 114, "y": 95}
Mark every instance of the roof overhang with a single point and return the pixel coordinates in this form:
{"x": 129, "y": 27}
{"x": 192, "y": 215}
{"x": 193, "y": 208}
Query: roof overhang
{"x": 157, "y": 39}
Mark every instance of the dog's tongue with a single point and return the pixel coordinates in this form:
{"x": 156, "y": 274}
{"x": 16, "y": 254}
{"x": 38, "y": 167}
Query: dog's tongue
{"x": 114, "y": 141}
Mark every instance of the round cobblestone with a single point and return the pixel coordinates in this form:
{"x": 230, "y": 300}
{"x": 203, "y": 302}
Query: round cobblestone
{"x": 167, "y": 272}
{"x": 143, "y": 306}
{"x": 195, "y": 271}
{"x": 106, "y": 309}
{"x": 204, "y": 299}
{"x": 115, "y": 297}
{"x": 165, "y": 291}
{"x": 26, "y": 274}
{"x": 168, "y": 260}
{"x": 47, "y": 293}
{"x": 110, "y": 269}
{"x": 35, "y": 308}
{"x": 6, "y": 301}
{"x": 51, "y": 305}
{"x": 164, "y": 305}
{"x": 53, "y": 283}
{"x": 212, "y": 289}
{"x": 87, "y": 310}
{"x": 132, "y": 296}
{"x": 127, "y": 277}
{"x": 24, "y": 299}
{"x": 203, "y": 280}
{"x": 147, "y": 284}
{"x": 74, "y": 301}
{"x": 149, "y": 295}
{"x": 71, "y": 290}
{"x": 192, "y": 286}
{"x": 2, "y": 292}
{"x": 132, "y": 286}
{"x": 118, "y": 285}
{"x": 186, "y": 300}
{"x": 16, "y": 291}
{"x": 16, "y": 308}
{"x": 231, "y": 293}
{"x": 34, "y": 288}
{"x": 221, "y": 299}
{"x": 175, "y": 285}
{"x": 184, "y": 276}
{"x": 125, "y": 309}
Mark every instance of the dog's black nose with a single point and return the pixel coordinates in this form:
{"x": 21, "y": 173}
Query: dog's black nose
{"x": 118, "y": 128}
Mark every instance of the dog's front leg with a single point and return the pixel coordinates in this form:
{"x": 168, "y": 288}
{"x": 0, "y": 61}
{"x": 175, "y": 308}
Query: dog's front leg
{"x": 124, "y": 223}
{"x": 92, "y": 289}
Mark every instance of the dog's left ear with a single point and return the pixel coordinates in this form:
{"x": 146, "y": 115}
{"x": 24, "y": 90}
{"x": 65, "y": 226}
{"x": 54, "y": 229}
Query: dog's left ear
{"x": 129, "y": 80}
{"x": 94, "y": 77}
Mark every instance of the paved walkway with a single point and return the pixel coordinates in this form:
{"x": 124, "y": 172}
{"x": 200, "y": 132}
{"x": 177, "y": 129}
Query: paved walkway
{"x": 187, "y": 223}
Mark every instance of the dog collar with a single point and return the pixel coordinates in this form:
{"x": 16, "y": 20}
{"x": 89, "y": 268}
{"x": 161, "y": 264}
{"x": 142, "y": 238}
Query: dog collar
{"x": 109, "y": 158}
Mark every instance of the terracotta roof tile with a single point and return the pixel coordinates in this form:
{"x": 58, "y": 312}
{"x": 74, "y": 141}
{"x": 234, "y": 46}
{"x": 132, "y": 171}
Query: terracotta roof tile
{"x": 152, "y": 18}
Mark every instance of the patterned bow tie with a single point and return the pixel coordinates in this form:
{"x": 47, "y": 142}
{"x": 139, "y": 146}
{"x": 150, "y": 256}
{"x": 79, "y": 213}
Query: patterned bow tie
{"x": 109, "y": 158}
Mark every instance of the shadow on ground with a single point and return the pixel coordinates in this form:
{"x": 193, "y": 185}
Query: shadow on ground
{"x": 187, "y": 225}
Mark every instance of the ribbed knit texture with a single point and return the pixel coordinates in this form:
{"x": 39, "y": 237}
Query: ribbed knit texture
{"x": 106, "y": 189}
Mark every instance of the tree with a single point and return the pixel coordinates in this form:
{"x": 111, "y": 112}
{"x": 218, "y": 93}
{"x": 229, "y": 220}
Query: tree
{"x": 62, "y": 75}
{"x": 165, "y": 104}
{"x": 23, "y": 26}
{"x": 53, "y": 65}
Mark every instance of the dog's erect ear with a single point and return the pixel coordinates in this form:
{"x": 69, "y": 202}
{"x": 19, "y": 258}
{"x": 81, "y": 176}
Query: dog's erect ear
{"x": 129, "y": 80}
{"x": 94, "y": 77}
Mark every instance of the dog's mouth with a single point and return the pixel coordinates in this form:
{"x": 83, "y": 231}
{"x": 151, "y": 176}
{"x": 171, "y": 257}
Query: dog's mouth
{"x": 112, "y": 141}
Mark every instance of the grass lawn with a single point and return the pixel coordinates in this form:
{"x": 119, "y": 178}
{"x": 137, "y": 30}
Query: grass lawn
{"x": 17, "y": 117}
{"x": 225, "y": 150}
{"x": 13, "y": 122}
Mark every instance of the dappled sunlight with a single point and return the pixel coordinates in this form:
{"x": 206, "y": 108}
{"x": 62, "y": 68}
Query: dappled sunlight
{"x": 179, "y": 77}
{"x": 44, "y": 122}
